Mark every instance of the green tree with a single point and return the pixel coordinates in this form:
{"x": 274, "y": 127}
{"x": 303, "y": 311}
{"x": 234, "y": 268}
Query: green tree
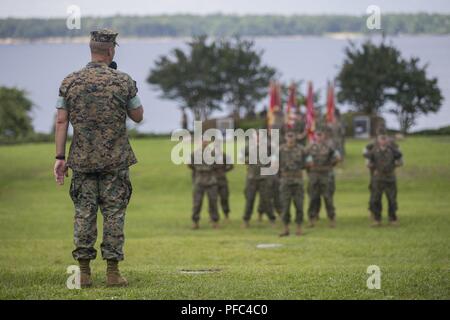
{"x": 414, "y": 94}
{"x": 192, "y": 79}
{"x": 15, "y": 107}
{"x": 244, "y": 77}
{"x": 366, "y": 75}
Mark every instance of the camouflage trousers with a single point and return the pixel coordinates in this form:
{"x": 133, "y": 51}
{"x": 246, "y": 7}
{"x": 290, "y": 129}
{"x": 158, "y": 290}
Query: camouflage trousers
{"x": 388, "y": 187}
{"x": 252, "y": 187}
{"x": 274, "y": 192}
{"x": 321, "y": 185}
{"x": 224, "y": 195}
{"x": 212, "y": 194}
{"x": 111, "y": 191}
{"x": 292, "y": 191}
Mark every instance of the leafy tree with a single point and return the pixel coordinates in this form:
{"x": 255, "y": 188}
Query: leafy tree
{"x": 15, "y": 120}
{"x": 366, "y": 74}
{"x": 211, "y": 73}
{"x": 192, "y": 79}
{"x": 243, "y": 75}
{"x": 374, "y": 76}
{"x": 414, "y": 94}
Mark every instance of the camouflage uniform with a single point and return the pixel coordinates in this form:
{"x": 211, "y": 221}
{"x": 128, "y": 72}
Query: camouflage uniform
{"x": 299, "y": 129}
{"x": 222, "y": 184}
{"x": 255, "y": 183}
{"x": 97, "y": 99}
{"x": 366, "y": 153}
{"x": 205, "y": 181}
{"x": 292, "y": 162}
{"x": 321, "y": 157}
{"x": 273, "y": 182}
{"x": 336, "y": 135}
{"x": 384, "y": 161}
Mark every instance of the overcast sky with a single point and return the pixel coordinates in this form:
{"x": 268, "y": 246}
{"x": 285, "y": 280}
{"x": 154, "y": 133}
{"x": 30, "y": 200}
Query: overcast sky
{"x": 58, "y": 8}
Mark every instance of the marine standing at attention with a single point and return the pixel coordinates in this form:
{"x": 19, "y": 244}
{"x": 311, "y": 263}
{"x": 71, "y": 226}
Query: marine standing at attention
{"x": 292, "y": 162}
{"x": 96, "y": 101}
{"x": 320, "y": 162}
{"x": 383, "y": 159}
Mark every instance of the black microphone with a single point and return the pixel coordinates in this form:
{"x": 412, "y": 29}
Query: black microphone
{"x": 113, "y": 65}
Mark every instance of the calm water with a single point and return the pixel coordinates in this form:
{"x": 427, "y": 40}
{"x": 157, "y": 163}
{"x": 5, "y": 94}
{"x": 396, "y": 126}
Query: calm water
{"x": 39, "y": 69}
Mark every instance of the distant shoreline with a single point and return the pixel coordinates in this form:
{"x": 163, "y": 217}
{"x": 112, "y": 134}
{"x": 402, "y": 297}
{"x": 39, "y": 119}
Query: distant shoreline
{"x": 84, "y": 40}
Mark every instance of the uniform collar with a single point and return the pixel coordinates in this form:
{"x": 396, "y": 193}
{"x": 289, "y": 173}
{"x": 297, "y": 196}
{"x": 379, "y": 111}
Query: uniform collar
{"x": 96, "y": 64}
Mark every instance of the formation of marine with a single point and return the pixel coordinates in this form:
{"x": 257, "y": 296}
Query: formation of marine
{"x": 315, "y": 160}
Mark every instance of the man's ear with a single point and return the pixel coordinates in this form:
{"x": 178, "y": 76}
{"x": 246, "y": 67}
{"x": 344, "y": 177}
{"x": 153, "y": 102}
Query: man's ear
{"x": 111, "y": 52}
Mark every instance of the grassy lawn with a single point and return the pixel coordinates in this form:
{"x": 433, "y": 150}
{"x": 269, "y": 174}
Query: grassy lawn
{"x": 36, "y": 234}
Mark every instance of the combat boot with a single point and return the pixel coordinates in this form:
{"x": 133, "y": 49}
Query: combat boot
{"x": 215, "y": 224}
{"x": 393, "y": 223}
{"x": 299, "y": 230}
{"x": 113, "y": 277}
{"x": 376, "y": 223}
{"x": 332, "y": 223}
{"x": 312, "y": 222}
{"x": 85, "y": 273}
{"x": 286, "y": 231}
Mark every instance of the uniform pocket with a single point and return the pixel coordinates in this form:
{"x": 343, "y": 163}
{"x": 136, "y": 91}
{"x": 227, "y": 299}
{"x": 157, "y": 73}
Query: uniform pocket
{"x": 125, "y": 176}
{"x": 75, "y": 187}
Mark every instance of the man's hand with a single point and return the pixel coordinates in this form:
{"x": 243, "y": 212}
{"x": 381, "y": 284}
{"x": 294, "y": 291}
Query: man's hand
{"x": 60, "y": 170}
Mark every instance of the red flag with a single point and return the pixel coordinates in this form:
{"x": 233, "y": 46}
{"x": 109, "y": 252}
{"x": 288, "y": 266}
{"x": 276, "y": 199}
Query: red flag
{"x": 330, "y": 104}
{"x": 310, "y": 116}
{"x": 274, "y": 102}
{"x": 291, "y": 106}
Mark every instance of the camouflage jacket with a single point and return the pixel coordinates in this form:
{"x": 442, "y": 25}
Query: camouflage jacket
{"x": 384, "y": 161}
{"x": 292, "y": 162}
{"x": 96, "y": 99}
{"x": 299, "y": 129}
{"x": 222, "y": 169}
{"x": 321, "y": 158}
{"x": 203, "y": 173}
{"x": 254, "y": 169}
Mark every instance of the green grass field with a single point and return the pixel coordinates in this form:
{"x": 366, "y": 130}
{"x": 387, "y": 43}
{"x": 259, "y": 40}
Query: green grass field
{"x": 36, "y": 234}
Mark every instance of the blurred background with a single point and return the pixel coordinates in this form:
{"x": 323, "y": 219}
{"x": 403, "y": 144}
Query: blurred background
{"x": 300, "y": 41}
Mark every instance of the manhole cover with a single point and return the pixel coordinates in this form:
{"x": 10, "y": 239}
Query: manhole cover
{"x": 199, "y": 271}
{"x": 268, "y": 245}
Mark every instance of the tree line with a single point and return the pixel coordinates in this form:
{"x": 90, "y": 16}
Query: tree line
{"x": 225, "y": 25}
{"x": 210, "y": 74}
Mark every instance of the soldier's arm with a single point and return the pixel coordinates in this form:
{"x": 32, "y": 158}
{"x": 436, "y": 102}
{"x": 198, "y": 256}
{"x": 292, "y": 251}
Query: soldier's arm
{"x": 137, "y": 115}
{"x": 398, "y": 156}
{"x": 61, "y": 126}
{"x": 134, "y": 106}
{"x": 335, "y": 158}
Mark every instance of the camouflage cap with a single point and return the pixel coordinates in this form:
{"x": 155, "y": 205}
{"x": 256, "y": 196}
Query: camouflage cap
{"x": 104, "y": 35}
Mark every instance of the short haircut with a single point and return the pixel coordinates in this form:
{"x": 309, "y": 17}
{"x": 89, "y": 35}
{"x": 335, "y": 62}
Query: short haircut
{"x": 100, "y": 47}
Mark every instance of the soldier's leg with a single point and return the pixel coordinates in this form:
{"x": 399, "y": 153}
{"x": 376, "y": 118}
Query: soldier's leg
{"x": 224, "y": 195}
{"x": 276, "y": 195}
{"x": 376, "y": 198}
{"x": 114, "y": 194}
{"x": 371, "y": 198}
{"x": 298, "y": 196}
{"x": 285, "y": 195}
{"x": 250, "y": 194}
{"x": 327, "y": 190}
{"x": 314, "y": 197}
{"x": 265, "y": 191}
{"x": 391, "y": 194}
{"x": 212, "y": 203}
{"x": 197, "y": 199}
{"x": 84, "y": 194}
